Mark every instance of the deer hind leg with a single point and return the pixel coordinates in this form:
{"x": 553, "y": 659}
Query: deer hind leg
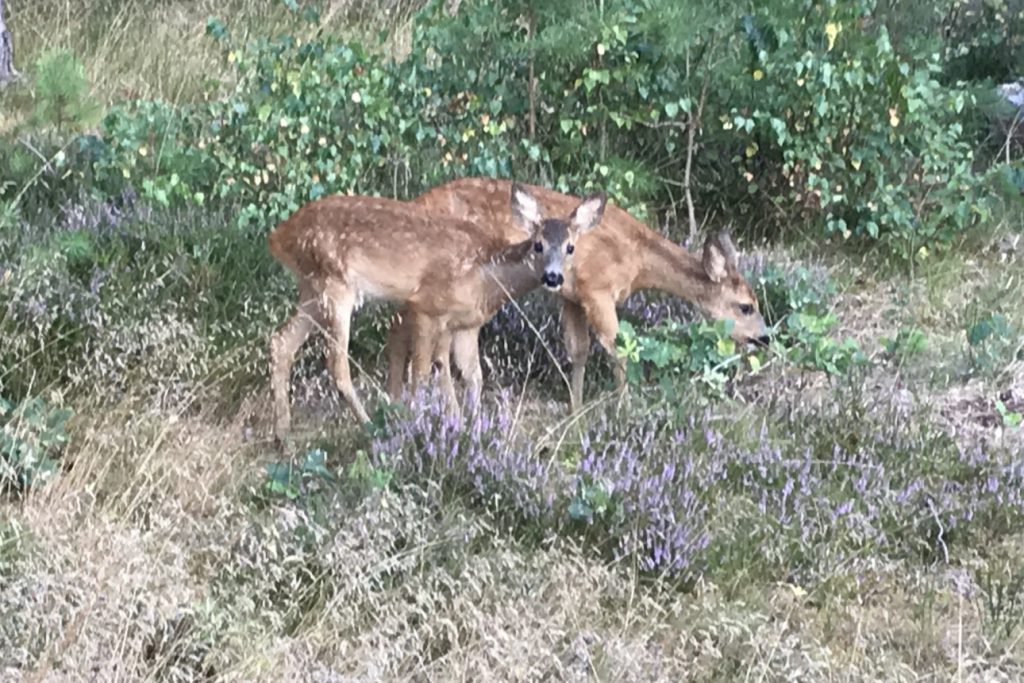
{"x": 338, "y": 304}
{"x": 284, "y": 344}
{"x": 399, "y": 339}
{"x": 576, "y": 334}
{"x": 466, "y": 354}
{"x": 605, "y": 320}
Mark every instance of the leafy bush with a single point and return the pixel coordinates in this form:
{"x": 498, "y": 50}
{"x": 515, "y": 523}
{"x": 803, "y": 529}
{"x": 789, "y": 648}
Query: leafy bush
{"x": 830, "y": 120}
{"x": 785, "y": 290}
{"x": 794, "y": 301}
{"x": 31, "y": 436}
{"x": 992, "y": 343}
{"x": 864, "y": 137}
{"x": 810, "y": 345}
{"x": 154, "y": 148}
{"x": 908, "y": 342}
{"x": 701, "y": 352}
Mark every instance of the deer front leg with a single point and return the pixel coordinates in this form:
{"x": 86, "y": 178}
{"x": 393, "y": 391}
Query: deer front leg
{"x": 431, "y": 341}
{"x": 576, "y": 334}
{"x": 399, "y": 339}
{"x": 601, "y": 314}
{"x": 466, "y": 353}
{"x": 442, "y": 354}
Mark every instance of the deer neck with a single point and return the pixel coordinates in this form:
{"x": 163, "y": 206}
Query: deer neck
{"x": 671, "y": 268}
{"x": 511, "y": 273}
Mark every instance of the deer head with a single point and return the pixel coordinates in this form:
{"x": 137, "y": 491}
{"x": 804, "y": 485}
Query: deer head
{"x": 729, "y": 297}
{"x": 554, "y": 239}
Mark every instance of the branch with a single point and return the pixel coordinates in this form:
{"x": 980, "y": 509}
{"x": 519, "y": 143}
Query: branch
{"x": 691, "y": 136}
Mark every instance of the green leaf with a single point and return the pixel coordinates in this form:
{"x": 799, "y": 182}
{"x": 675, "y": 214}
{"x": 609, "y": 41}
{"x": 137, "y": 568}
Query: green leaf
{"x": 725, "y": 347}
{"x": 980, "y": 331}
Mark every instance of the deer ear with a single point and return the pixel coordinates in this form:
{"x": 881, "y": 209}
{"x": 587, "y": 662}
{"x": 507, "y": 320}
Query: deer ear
{"x": 525, "y": 209}
{"x": 719, "y": 257}
{"x": 725, "y": 243}
{"x": 588, "y": 214}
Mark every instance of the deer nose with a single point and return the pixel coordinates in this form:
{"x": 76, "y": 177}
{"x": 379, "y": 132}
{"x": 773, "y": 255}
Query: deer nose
{"x": 553, "y": 280}
{"x": 763, "y": 340}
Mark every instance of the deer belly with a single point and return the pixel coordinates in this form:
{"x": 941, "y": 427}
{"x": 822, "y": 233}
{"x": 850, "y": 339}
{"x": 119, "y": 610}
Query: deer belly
{"x": 393, "y": 284}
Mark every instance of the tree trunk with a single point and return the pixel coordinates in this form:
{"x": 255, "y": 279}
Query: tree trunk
{"x": 7, "y": 71}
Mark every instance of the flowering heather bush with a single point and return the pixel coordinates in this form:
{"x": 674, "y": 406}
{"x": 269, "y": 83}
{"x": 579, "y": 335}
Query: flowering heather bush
{"x": 480, "y": 458}
{"x": 645, "y": 497}
{"x": 683, "y": 496}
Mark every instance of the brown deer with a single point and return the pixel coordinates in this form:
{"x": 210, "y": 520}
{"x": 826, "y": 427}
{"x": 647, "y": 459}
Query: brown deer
{"x": 610, "y": 264}
{"x": 450, "y": 273}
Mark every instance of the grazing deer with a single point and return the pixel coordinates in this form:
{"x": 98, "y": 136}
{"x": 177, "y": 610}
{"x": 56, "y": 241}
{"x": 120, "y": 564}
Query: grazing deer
{"x": 451, "y": 274}
{"x": 610, "y": 264}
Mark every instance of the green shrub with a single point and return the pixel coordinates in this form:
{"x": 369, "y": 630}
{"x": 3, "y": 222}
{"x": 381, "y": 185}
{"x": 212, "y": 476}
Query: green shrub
{"x": 155, "y": 148}
{"x": 62, "y": 92}
{"x": 785, "y": 291}
{"x": 993, "y": 343}
{"x": 864, "y": 139}
{"x": 31, "y": 436}
{"x": 795, "y": 303}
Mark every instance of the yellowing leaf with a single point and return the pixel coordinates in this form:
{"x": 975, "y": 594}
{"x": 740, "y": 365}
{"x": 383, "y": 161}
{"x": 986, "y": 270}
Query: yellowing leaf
{"x": 755, "y": 363}
{"x": 855, "y": 163}
{"x": 143, "y": 151}
{"x": 922, "y": 253}
{"x": 832, "y": 30}
{"x": 758, "y": 74}
{"x": 751, "y": 149}
{"x": 894, "y": 120}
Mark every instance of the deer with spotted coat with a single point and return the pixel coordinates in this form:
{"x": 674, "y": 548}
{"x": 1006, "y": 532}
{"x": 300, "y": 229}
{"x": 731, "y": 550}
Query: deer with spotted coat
{"x": 609, "y": 264}
{"x": 451, "y": 274}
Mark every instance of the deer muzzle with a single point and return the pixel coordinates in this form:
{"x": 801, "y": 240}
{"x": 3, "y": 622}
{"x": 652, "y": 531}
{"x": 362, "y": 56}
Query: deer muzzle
{"x": 552, "y": 280}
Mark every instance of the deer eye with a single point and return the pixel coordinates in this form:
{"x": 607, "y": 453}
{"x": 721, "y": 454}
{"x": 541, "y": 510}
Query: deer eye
{"x": 538, "y": 247}
{"x": 569, "y": 248}
{"x": 746, "y": 309}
